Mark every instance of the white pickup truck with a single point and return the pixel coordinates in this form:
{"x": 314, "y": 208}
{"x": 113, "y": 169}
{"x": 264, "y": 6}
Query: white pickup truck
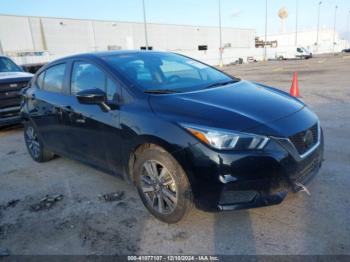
{"x": 293, "y": 53}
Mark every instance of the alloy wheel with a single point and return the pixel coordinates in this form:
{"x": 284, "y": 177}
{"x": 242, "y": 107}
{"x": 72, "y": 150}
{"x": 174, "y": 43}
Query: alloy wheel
{"x": 32, "y": 142}
{"x": 159, "y": 187}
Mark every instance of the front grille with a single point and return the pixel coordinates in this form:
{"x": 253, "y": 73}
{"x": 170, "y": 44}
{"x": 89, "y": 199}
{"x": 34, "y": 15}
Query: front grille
{"x": 302, "y": 143}
{"x": 14, "y": 86}
{"x": 306, "y": 168}
{"x": 10, "y": 94}
{"x": 236, "y": 197}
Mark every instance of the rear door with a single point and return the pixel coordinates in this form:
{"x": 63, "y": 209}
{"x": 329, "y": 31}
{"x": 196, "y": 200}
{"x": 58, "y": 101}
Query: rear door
{"x": 45, "y": 102}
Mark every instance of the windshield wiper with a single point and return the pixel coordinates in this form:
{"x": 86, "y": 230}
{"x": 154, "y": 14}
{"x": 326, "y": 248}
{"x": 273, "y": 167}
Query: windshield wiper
{"x": 160, "y": 91}
{"x": 222, "y": 83}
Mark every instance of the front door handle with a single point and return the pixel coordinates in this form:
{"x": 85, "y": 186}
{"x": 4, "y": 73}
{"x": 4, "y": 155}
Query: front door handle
{"x": 69, "y": 109}
{"x": 80, "y": 121}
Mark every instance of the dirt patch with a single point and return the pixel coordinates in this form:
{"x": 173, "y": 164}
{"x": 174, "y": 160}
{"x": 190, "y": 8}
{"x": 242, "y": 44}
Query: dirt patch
{"x": 7, "y": 229}
{"x": 11, "y": 152}
{"x": 112, "y": 197}
{"x": 129, "y": 222}
{"x": 179, "y": 236}
{"x": 46, "y": 203}
{"x": 11, "y": 204}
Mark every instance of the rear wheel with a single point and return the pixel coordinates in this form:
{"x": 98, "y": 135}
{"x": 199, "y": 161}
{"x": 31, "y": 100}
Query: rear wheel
{"x": 34, "y": 145}
{"x": 162, "y": 185}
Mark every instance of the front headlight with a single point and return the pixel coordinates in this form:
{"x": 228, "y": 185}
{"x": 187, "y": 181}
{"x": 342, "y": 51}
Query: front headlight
{"x": 227, "y": 140}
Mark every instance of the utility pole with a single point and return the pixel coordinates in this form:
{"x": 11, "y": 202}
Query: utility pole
{"x": 334, "y": 28}
{"x": 31, "y": 34}
{"x": 265, "y": 46}
{"x": 318, "y": 24}
{"x": 93, "y": 34}
{"x": 296, "y": 22}
{"x": 1, "y": 50}
{"x": 145, "y": 23}
{"x": 221, "y": 62}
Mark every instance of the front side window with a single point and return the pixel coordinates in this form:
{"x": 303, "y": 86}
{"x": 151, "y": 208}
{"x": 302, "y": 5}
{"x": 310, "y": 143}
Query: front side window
{"x": 166, "y": 71}
{"x": 53, "y": 80}
{"x": 6, "y": 65}
{"x": 87, "y": 76}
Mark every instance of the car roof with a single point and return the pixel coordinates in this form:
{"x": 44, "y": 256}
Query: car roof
{"x": 108, "y": 53}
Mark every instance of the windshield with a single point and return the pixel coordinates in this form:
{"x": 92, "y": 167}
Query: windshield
{"x": 6, "y": 65}
{"x": 167, "y": 72}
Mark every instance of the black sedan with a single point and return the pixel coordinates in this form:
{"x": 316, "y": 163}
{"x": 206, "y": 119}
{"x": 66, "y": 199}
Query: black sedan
{"x": 182, "y": 131}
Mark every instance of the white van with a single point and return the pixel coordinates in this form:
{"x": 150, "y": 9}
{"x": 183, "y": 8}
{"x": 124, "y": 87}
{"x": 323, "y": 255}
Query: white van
{"x": 293, "y": 53}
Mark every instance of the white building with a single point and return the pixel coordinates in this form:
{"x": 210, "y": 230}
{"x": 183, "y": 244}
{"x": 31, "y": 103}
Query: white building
{"x": 57, "y": 37}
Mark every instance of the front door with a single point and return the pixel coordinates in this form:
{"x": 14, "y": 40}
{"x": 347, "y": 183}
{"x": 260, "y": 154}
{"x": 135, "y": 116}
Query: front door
{"x": 89, "y": 125}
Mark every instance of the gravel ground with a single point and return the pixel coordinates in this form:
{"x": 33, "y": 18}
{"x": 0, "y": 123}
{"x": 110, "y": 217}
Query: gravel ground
{"x": 64, "y": 207}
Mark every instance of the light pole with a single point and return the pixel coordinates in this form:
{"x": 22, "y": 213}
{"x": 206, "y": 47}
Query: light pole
{"x": 296, "y": 22}
{"x": 221, "y": 62}
{"x": 145, "y": 23}
{"x": 265, "y": 47}
{"x": 348, "y": 27}
{"x": 334, "y": 28}
{"x": 318, "y": 23}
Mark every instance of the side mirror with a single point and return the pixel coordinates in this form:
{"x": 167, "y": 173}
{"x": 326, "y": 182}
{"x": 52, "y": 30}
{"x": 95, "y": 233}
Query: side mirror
{"x": 93, "y": 97}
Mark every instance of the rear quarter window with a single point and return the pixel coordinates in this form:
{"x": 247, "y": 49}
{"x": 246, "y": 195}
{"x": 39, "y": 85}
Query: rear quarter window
{"x": 40, "y": 80}
{"x": 53, "y": 78}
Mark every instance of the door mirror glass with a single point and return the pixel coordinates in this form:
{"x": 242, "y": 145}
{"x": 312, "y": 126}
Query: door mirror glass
{"x": 91, "y": 97}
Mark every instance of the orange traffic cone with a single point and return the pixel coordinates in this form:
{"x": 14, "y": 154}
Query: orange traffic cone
{"x": 294, "y": 90}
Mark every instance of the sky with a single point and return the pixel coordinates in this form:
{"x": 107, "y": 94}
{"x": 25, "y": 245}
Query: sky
{"x": 235, "y": 13}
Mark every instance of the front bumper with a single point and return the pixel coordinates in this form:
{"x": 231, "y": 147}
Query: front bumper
{"x": 231, "y": 181}
{"x": 10, "y": 116}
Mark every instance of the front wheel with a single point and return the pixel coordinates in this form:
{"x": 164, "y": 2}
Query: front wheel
{"x": 162, "y": 185}
{"x": 34, "y": 145}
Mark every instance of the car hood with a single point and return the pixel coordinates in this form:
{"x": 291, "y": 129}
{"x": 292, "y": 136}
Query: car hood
{"x": 240, "y": 106}
{"x": 10, "y": 76}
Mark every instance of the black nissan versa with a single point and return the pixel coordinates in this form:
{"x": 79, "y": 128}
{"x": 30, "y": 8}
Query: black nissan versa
{"x": 183, "y": 132}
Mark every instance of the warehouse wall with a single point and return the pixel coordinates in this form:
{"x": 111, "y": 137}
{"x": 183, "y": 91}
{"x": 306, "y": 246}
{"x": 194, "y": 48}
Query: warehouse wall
{"x": 61, "y": 36}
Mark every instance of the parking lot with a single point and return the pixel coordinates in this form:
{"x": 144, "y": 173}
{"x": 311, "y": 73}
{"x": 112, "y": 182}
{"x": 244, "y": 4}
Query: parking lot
{"x": 78, "y": 217}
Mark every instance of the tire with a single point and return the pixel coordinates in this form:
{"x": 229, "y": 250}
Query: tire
{"x": 34, "y": 144}
{"x": 162, "y": 185}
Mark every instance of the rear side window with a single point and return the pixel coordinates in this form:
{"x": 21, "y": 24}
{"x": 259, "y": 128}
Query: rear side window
{"x": 87, "y": 76}
{"x": 53, "y": 80}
